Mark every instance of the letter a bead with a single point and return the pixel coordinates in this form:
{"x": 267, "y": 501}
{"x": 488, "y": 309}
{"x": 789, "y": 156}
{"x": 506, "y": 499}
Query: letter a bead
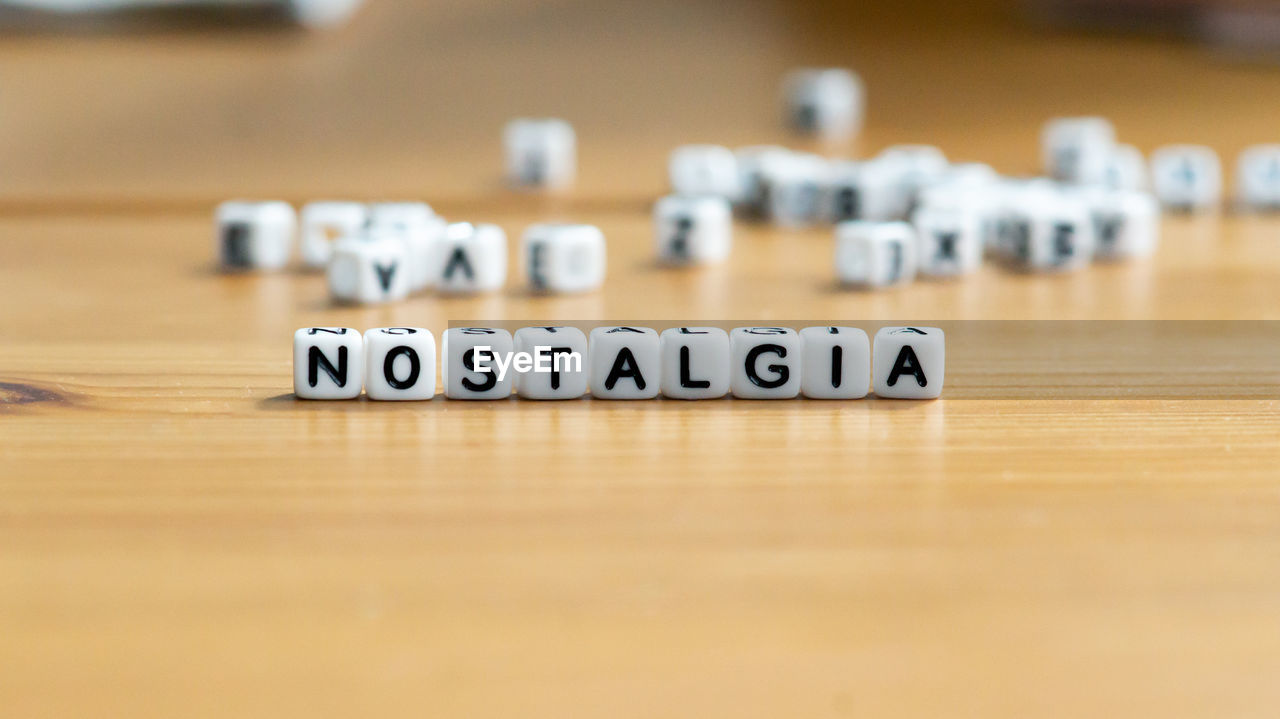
{"x": 908, "y": 362}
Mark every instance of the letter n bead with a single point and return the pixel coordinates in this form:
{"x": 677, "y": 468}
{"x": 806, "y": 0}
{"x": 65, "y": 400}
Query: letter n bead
{"x": 328, "y": 363}
{"x": 908, "y": 362}
{"x": 400, "y": 363}
{"x": 626, "y": 363}
{"x": 764, "y": 363}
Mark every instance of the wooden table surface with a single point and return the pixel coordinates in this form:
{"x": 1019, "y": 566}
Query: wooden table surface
{"x": 180, "y": 537}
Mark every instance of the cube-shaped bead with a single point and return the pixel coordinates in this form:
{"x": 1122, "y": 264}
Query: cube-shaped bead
{"x": 324, "y": 224}
{"x": 400, "y": 363}
{"x": 1046, "y": 230}
{"x": 692, "y": 230}
{"x": 626, "y": 363}
{"x": 837, "y": 363}
{"x": 1126, "y": 224}
{"x": 476, "y": 363}
{"x": 564, "y": 258}
{"x": 368, "y": 271}
{"x": 540, "y": 153}
{"x": 823, "y": 102}
{"x": 875, "y": 254}
{"x": 861, "y": 191}
{"x": 470, "y": 258}
{"x": 695, "y": 363}
{"x": 1077, "y": 149}
{"x": 949, "y": 239}
{"x": 328, "y": 363}
{"x": 764, "y": 362}
{"x": 752, "y": 163}
{"x": 794, "y": 189}
{"x": 1258, "y": 177}
{"x": 909, "y": 362}
{"x": 1187, "y": 177}
{"x": 704, "y": 170}
{"x": 912, "y": 167}
{"x": 1126, "y": 169}
{"x": 419, "y": 228}
{"x": 556, "y": 366}
{"x": 255, "y": 235}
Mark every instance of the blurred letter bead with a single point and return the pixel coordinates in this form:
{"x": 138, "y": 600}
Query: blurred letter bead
{"x": 692, "y": 230}
{"x": 837, "y": 363}
{"x": 541, "y": 153}
{"x": 560, "y": 350}
{"x": 704, "y": 170}
{"x": 400, "y": 363}
{"x": 826, "y": 103}
{"x": 471, "y": 258}
{"x": 324, "y": 224}
{"x": 368, "y": 271}
{"x": 1045, "y": 230}
{"x": 1186, "y": 177}
{"x": 1125, "y": 225}
{"x": 626, "y": 363}
{"x": 328, "y": 363}
{"x": 255, "y": 235}
{"x": 765, "y": 363}
{"x": 695, "y": 363}
{"x": 1258, "y": 177}
{"x": 909, "y": 362}
{"x": 1078, "y": 149}
{"x": 465, "y": 349}
{"x": 794, "y": 188}
{"x": 948, "y": 240}
{"x": 875, "y": 254}
{"x": 564, "y": 258}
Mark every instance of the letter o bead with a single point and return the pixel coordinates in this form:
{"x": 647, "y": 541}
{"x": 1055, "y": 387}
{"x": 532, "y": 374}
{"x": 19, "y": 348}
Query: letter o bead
{"x": 400, "y": 363}
{"x": 764, "y": 363}
{"x": 909, "y": 362}
{"x": 328, "y": 363}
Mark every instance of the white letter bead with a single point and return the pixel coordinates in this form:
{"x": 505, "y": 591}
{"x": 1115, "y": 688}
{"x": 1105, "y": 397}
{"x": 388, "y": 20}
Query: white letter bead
{"x": 695, "y": 363}
{"x": 1126, "y": 224}
{"x": 255, "y": 235}
{"x": 471, "y": 258}
{"x": 328, "y": 363}
{"x": 704, "y": 170}
{"x": 765, "y": 362}
{"x": 1258, "y": 177}
{"x": 948, "y": 240}
{"x": 564, "y": 258}
{"x": 460, "y": 360}
{"x": 1126, "y": 169}
{"x": 837, "y": 363}
{"x": 562, "y": 351}
{"x": 368, "y": 271}
{"x": 1046, "y": 230}
{"x": 909, "y": 362}
{"x": 400, "y": 363}
{"x": 752, "y": 162}
{"x": 692, "y": 230}
{"x": 912, "y": 168}
{"x": 823, "y": 102}
{"x": 1186, "y": 177}
{"x": 875, "y": 254}
{"x": 863, "y": 191}
{"x": 626, "y": 363}
{"x": 1077, "y": 149}
{"x": 794, "y": 189}
{"x": 419, "y": 228}
{"x": 325, "y": 223}
{"x": 541, "y": 153}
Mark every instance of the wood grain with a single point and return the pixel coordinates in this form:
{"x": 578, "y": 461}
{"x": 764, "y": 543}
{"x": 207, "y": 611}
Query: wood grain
{"x": 180, "y": 537}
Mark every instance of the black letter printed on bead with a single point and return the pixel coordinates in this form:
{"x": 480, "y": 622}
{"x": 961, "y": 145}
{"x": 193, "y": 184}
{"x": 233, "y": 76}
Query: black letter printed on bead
{"x": 389, "y": 370}
{"x": 907, "y": 363}
{"x": 316, "y": 360}
{"x": 624, "y": 366}
{"x": 783, "y": 371}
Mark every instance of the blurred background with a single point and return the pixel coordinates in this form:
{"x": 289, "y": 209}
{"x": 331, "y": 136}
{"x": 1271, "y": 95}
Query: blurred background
{"x": 180, "y": 107}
